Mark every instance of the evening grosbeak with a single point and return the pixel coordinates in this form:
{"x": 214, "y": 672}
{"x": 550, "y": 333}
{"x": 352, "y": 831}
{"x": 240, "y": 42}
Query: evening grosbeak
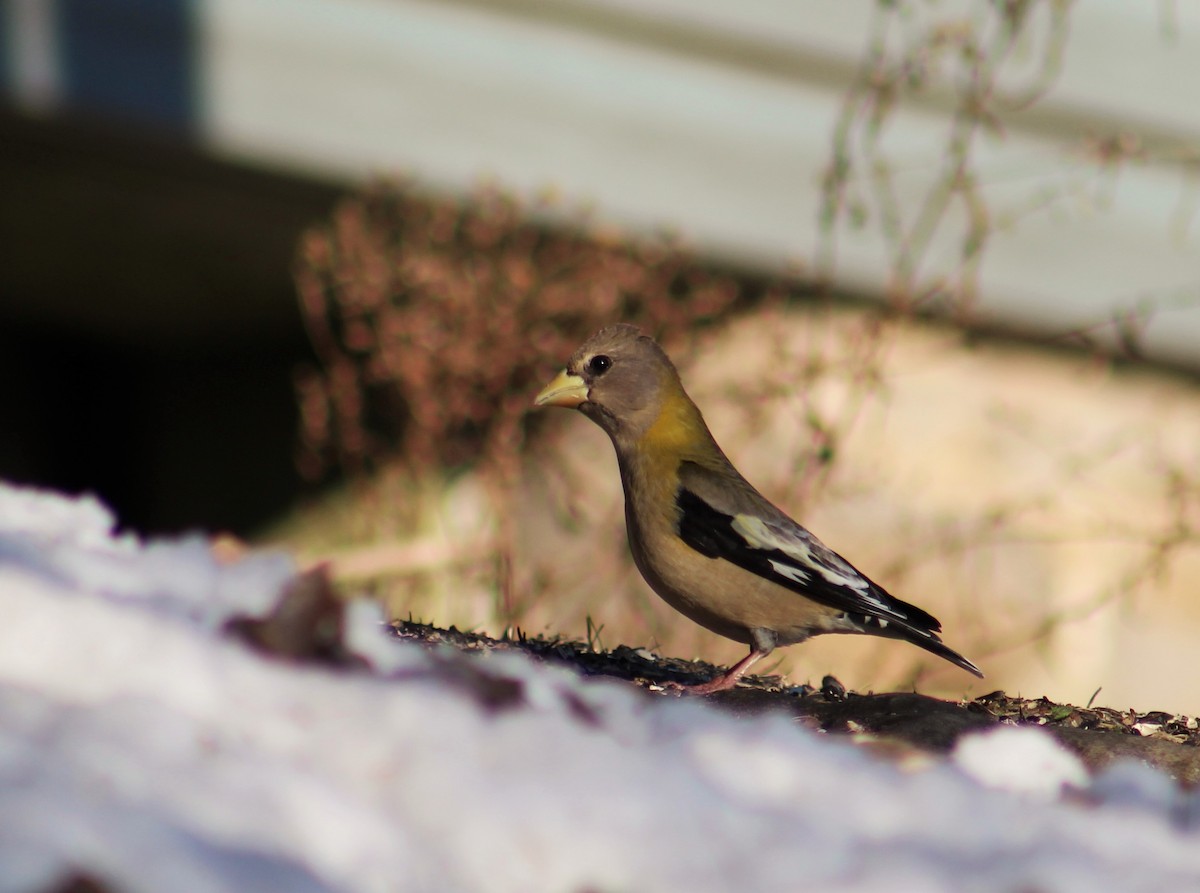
{"x": 706, "y": 541}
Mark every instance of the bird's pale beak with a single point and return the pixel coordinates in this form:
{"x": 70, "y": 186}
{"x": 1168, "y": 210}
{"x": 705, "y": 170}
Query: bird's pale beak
{"x": 565, "y": 390}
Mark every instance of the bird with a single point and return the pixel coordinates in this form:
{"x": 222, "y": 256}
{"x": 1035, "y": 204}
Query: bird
{"x": 704, "y": 539}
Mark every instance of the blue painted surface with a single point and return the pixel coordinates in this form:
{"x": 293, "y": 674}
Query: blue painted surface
{"x": 6, "y": 79}
{"x": 134, "y": 59}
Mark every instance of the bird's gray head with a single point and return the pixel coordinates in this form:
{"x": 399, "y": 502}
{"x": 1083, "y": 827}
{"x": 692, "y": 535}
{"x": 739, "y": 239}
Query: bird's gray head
{"x": 618, "y": 378}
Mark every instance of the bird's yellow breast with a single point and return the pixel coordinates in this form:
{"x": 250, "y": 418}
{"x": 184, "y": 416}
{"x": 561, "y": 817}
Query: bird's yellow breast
{"x": 713, "y": 592}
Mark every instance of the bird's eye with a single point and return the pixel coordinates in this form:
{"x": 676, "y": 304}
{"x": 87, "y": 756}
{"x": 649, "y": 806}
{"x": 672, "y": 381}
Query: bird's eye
{"x": 599, "y": 364}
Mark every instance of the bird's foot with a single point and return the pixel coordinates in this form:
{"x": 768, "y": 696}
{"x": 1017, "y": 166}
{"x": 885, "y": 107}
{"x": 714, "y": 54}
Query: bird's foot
{"x": 724, "y": 682}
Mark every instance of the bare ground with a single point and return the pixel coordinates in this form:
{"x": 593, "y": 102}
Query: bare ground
{"x": 904, "y": 720}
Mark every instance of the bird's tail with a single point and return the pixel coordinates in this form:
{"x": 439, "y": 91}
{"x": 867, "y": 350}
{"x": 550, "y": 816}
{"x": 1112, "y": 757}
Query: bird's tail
{"x": 934, "y": 645}
{"x": 923, "y": 636}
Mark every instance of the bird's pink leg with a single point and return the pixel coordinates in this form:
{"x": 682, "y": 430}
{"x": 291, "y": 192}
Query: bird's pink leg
{"x": 729, "y": 678}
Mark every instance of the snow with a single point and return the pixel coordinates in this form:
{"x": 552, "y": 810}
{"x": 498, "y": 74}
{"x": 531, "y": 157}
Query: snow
{"x": 142, "y": 747}
{"x": 1020, "y": 759}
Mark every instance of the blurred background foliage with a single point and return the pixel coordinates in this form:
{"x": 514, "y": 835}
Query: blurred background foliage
{"x": 1030, "y": 499}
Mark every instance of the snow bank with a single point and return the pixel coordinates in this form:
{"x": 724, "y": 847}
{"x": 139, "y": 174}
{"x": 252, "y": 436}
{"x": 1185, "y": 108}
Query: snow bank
{"x": 143, "y": 748}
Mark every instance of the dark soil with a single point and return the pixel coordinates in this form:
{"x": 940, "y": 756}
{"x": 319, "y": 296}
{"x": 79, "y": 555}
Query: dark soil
{"x": 904, "y": 720}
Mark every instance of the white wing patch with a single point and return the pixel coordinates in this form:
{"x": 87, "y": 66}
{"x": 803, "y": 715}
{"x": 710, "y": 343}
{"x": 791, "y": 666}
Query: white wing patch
{"x": 758, "y": 534}
{"x": 789, "y": 570}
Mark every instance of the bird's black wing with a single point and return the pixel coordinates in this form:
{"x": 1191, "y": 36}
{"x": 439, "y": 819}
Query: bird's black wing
{"x": 773, "y": 546}
{"x": 792, "y": 557}
{"x": 784, "y": 552}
